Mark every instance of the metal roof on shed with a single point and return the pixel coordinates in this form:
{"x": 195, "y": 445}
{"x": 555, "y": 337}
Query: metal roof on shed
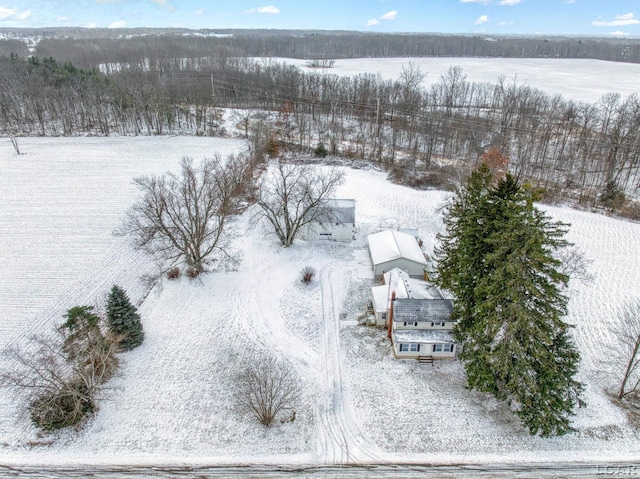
{"x": 391, "y": 245}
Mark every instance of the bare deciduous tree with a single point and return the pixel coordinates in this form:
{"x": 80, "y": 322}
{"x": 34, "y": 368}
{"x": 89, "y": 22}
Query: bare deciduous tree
{"x": 574, "y": 264}
{"x": 268, "y": 388}
{"x": 292, "y": 196}
{"x": 186, "y": 216}
{"x": 59, "y": 375}
{"x": 627, "y": 331}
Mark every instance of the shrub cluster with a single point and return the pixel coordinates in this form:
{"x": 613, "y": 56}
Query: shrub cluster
{"x": 61, "y": 374}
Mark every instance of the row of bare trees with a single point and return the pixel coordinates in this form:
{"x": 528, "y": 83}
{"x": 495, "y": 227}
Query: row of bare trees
{"x": 574, "y": 149}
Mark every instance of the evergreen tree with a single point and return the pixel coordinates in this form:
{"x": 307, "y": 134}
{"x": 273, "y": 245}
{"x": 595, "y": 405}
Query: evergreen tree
{"x": 461, "y": 249}
{"x": 497, "y": 257}
{"x": 123, "y": 319}
{"x": 82, "y": 334}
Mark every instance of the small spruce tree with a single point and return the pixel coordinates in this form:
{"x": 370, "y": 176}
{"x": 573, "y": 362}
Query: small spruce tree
{"x": 123, "y": 319}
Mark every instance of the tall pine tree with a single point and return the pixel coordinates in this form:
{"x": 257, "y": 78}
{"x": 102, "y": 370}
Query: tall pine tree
{"x": 123, "y": 319}
{"x": 497, "y": 257}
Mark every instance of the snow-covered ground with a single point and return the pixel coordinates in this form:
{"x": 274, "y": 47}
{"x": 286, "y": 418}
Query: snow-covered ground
{"x": 579, "y": 80}
{"x": 175, "y": 397}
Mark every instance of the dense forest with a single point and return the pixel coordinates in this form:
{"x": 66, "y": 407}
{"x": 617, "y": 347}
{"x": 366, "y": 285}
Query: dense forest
{"x": 179, "y": 84}
{"x": 88, "y": 46}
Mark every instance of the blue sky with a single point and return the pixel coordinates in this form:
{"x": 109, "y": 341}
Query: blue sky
{"x": 586, "y": 17}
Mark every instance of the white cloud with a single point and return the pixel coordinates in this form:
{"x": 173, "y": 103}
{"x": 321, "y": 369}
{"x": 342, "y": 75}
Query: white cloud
{"x": 484, "y": 2}
{"x": 269, "y": 9}
{"x": 6, "y": 13}
{"x": 91, "y": 25}
{"x": 619, "y": 33}
{"x": 620, "y": 20}
{"x": 372, "y": 22}
{"x": 118, "y": 24}
{"x": 13, "y": 14}
{"x": 389, "y": 15}
{"x": 569, "y": 2}
{"x": 200, "y": 12}
{"x": 509, "y": 3}
{"x": 63, "y": 19}
{"x": 505, "y": 24}
{"x": 482, "y": 19}
{"x": 24, "y": 15}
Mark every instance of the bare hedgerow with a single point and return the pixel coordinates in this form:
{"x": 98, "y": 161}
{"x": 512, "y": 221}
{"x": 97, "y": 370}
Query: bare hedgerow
{"x": 269, "y": 388}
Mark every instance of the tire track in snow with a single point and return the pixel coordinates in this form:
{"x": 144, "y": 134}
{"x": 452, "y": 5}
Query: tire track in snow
{"x": 340, "y": 439}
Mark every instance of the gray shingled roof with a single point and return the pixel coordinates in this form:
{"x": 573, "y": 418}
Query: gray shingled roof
{"x": 422, "y": 310}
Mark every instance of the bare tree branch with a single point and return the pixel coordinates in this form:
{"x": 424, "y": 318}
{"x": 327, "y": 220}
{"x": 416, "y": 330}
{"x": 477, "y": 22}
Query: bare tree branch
{"x": 627, "y": 331}
{"x": 187, "y": 217}
{"x": 268, "y": 388}
{"x": 292, "y": 196}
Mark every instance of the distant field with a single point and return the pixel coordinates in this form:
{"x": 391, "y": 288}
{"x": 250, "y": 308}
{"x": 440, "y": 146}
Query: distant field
{"x": 580, "y": 80}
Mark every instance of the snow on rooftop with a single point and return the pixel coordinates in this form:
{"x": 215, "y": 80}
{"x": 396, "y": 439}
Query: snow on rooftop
{"x": 390, "y": 245}
{"x": 404, "y": 286}
{"x": 422, "y": 336}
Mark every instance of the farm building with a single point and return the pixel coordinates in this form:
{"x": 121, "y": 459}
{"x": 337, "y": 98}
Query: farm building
{"x": 337, "y": 224}
{"x": 394, "y": 249}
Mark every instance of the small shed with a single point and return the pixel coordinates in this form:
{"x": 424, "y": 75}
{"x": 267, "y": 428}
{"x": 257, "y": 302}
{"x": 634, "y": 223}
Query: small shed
{"x": 337, "y": 223}
{"x": 394, "y": 249}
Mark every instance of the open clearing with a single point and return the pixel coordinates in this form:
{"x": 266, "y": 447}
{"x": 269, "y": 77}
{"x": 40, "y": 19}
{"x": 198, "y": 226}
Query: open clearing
{"x": 575, "y": 79}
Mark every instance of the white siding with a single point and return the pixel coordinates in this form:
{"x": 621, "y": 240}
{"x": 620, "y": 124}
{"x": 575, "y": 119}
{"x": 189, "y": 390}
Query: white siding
{"x": 330, "y": 231}
{"x": 411, "y": 267}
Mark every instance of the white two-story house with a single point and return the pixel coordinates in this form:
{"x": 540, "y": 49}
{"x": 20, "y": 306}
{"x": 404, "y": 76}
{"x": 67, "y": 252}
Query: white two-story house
{"x": 417, "y": 317}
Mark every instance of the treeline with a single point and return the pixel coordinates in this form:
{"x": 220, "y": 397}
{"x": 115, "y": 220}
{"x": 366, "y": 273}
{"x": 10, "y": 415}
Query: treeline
{"x": 575, "y": 150}
{"x": 114, "y": 46}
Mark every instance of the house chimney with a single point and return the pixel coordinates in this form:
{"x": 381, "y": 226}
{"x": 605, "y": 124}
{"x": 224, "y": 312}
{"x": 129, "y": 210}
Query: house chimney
{"x": 390, "y": 319}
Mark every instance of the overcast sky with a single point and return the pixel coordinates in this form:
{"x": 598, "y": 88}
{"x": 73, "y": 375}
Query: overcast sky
{"x": 588, "y": 17}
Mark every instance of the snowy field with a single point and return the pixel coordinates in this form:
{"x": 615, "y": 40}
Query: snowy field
{"x": 579, "y": 80}
{"x": 174, "y": 399}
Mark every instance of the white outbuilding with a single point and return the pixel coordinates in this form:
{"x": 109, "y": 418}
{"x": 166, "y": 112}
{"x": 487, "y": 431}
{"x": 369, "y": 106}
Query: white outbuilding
{"x": 394, "y": 249}
{"x": 337, "y": 223}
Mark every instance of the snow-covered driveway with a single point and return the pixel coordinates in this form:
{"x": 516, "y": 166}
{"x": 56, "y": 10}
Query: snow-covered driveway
{"x": 340, "y": 439}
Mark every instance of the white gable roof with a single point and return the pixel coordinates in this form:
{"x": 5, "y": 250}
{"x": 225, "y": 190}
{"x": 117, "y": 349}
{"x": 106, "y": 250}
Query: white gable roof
{"x": 390, "y": 245}
{"x": 404, "y": 286}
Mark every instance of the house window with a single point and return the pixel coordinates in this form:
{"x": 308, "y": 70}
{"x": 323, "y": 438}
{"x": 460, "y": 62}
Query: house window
{"x": 437, "y": 324}
{"x": 384, "y": 316}
{"x": 409, "y": 323}
{"x": 413, "y": 347}
{"x": 443, "y": 348}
